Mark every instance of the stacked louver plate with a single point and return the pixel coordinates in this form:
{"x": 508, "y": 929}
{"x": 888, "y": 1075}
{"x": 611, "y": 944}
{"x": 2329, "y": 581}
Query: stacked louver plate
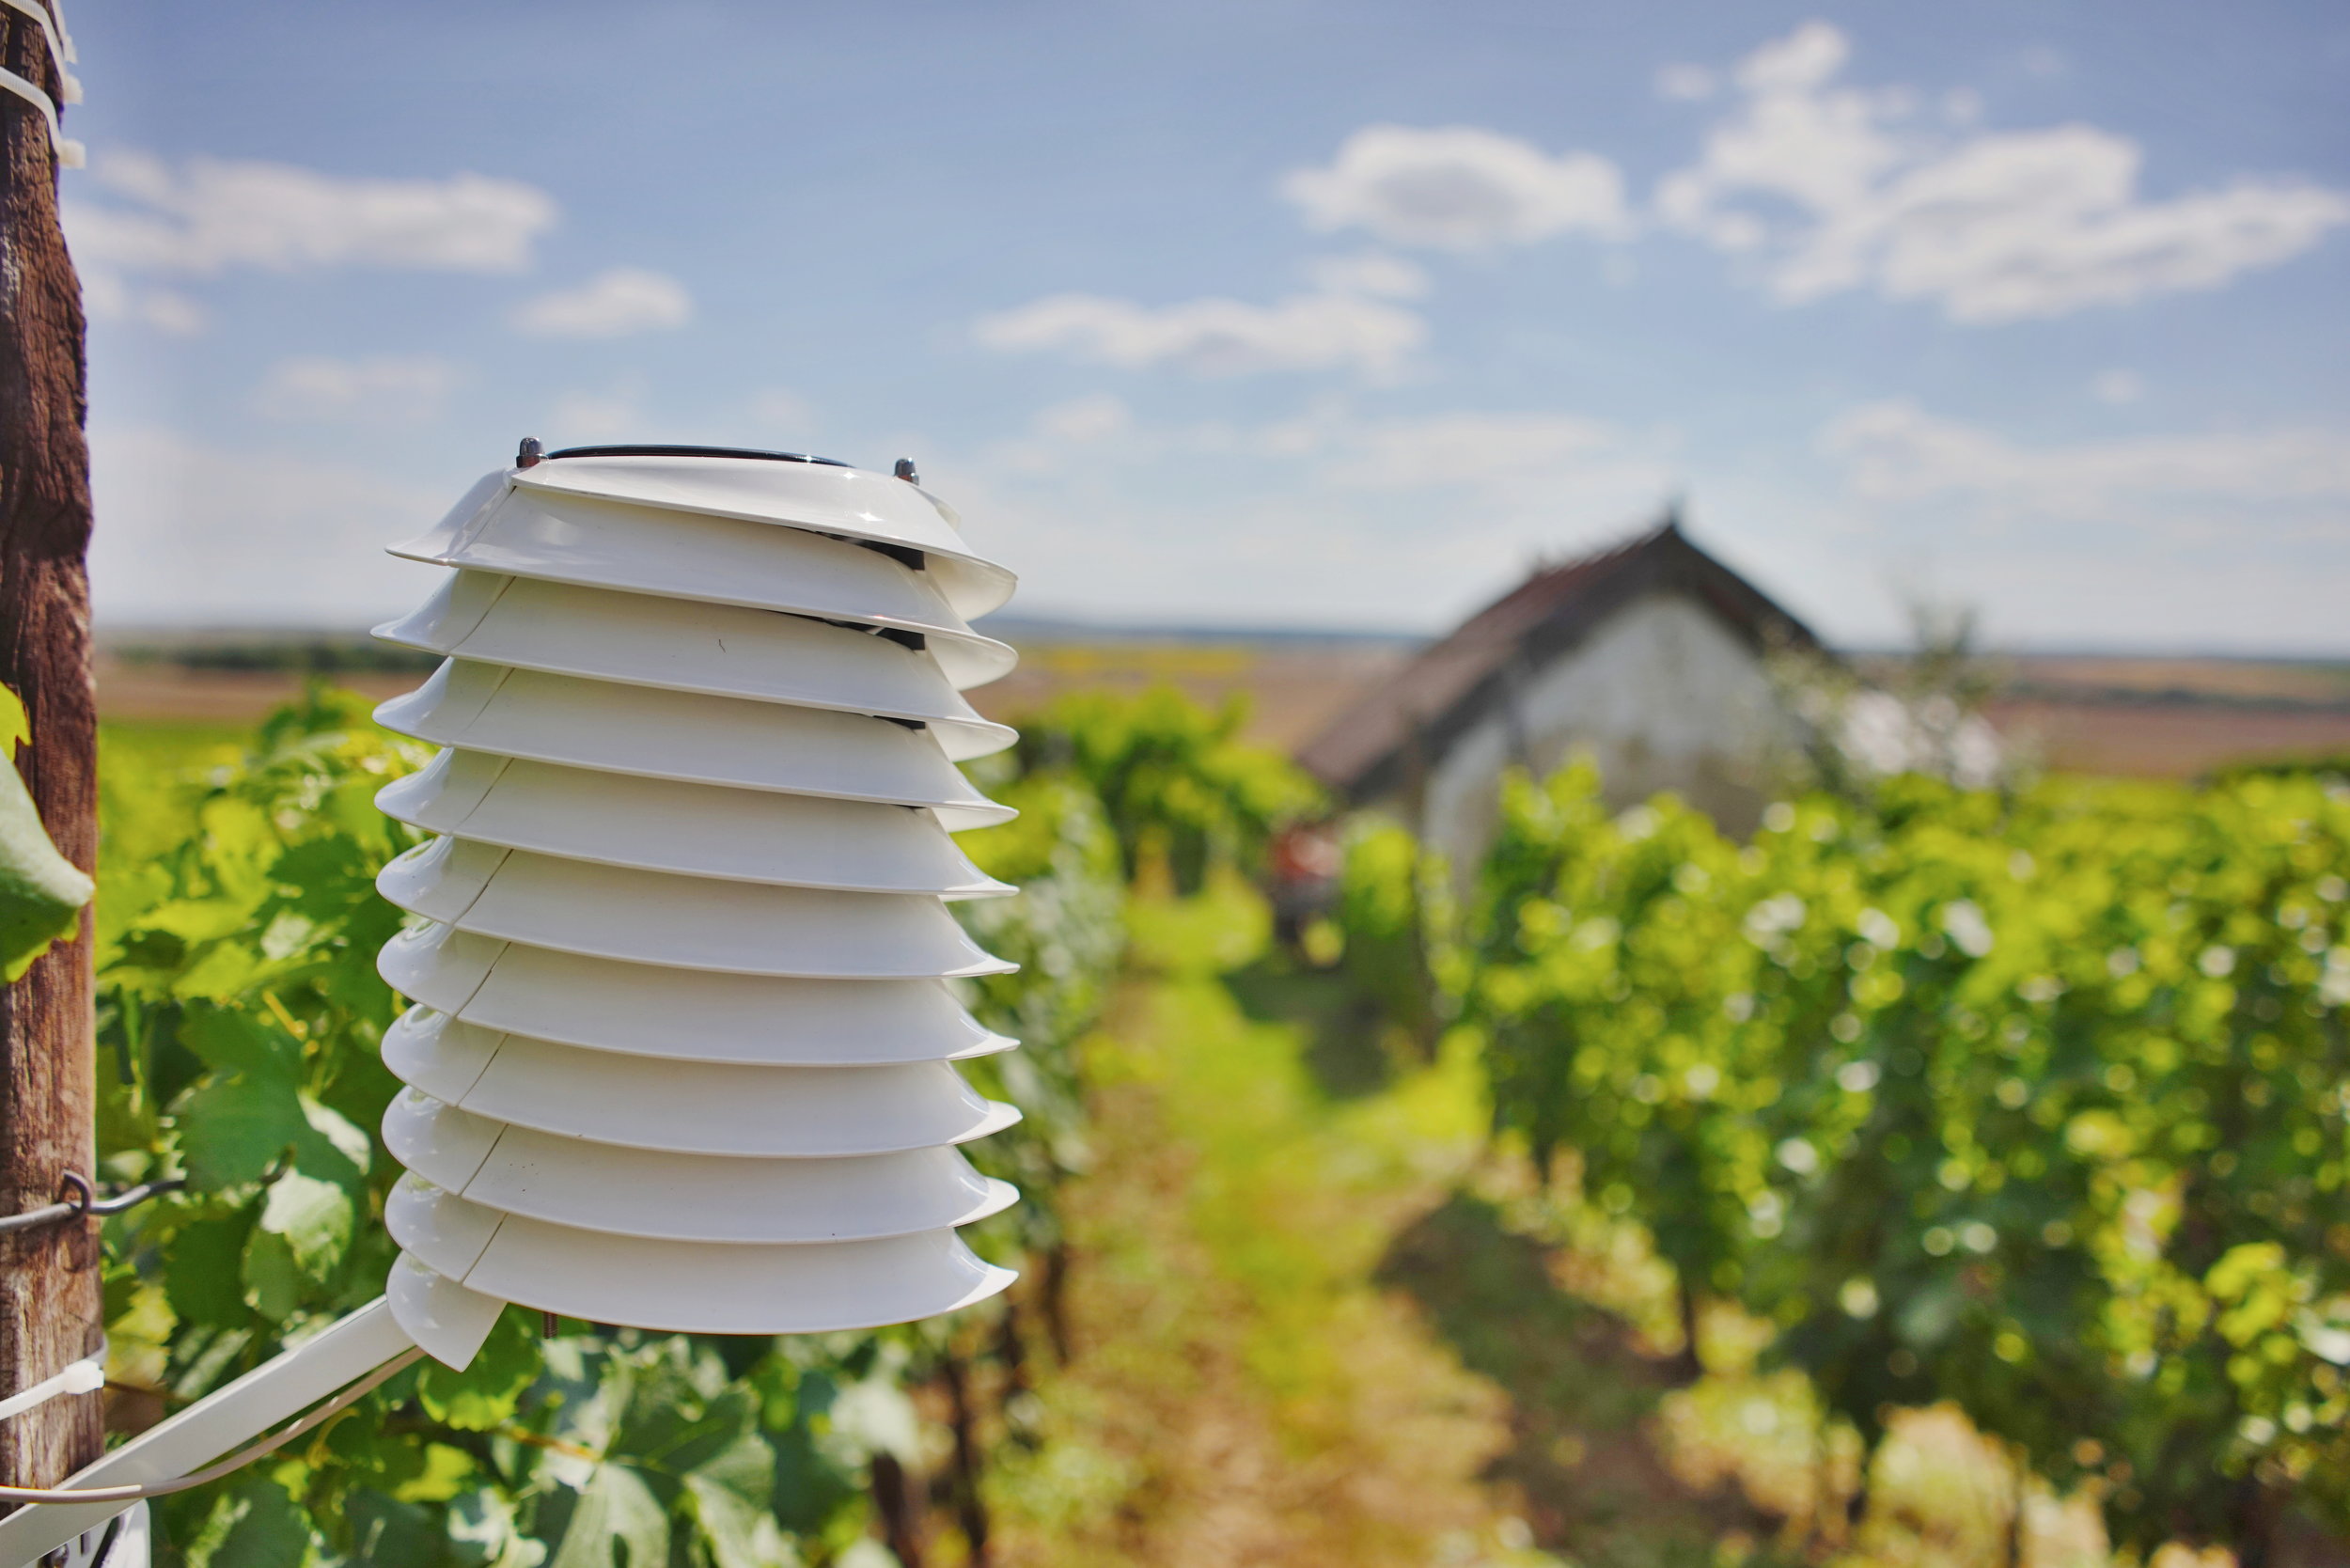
{"x": 682, "y": 1051}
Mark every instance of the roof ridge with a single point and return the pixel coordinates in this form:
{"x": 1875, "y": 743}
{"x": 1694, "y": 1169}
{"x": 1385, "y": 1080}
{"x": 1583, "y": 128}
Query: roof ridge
{"x": 1545, "y": 575}
{"x": 1450, "y": 672}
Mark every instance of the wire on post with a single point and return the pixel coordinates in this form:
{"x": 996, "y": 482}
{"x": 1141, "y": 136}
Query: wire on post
{"x": 85, "y": 1203}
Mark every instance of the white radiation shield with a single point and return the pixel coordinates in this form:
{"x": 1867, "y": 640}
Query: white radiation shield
{"x": 689, "y": 738}
{"x": 657, "y": 825}
{"x": 561, "y": 538}
{"x": 682, "y": 1052}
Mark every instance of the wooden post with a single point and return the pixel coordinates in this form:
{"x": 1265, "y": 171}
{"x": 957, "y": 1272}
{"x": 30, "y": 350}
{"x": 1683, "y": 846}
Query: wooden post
{"x": 50, "y": 1309}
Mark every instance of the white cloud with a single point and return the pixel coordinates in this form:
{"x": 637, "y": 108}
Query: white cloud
{"x": 1895, "y": 451}
{"x": 613, "y": 304}
{"x": 107, "y": 296}
{"x": 387, "y": 389}
{"x": 206, "y": 215}
{"x": 1993, "y": 227}
{"x": 2044, "y": 223}
{"x": 1372, "y": 272}
{"x": 1091, "y": 418}
{"x": 2199, "y": 539}
{"x": 783, "y": 411}
{"x": 1213, "y": 337}
{"x": 1529, "y": 457}
{"x": 1083, "y": 435}
{"x": 1821, "y": 152}
{"x": 2044, "y": 61}
{"x": 1685, "y": 84}
{"x": 1457, "y": 188}
{"x": 1514, "y": 453}
{"x": 192, "y": 534}
{"x": 170, "y": 311}
{"x": 596, "y": 415}
{"x": 1803, "y": 60}
{"x": 1327, "y": 517}
{"x": 2118, "y": 386}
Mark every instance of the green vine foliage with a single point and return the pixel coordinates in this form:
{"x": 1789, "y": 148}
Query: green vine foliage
{"x": 41, "y": 893}
{"x": 1067, "y": 933}
{"x": 1391, "y": 898}
{"x": 2033, "y": 1103}
{"x": 240, "y": 1019}
{"x": 1173, "y": 777}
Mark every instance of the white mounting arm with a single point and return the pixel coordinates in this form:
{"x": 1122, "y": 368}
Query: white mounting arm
{"x": 270, "y": 1393}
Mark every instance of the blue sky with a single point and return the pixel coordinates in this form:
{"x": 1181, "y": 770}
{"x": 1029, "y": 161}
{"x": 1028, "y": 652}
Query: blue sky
{"x": 1284, "y": 313}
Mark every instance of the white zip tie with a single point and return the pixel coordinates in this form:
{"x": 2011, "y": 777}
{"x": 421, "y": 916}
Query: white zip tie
{"x": 69, "y": 153}
{"x": 60, "y": 41}
{"x": 83, "y": 1377}
{"x": 237, "y": 1461}
{"x": 60, "y": 46}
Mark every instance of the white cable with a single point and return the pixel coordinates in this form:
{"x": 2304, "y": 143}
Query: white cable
{"x": 69, "y": 153}
{"x": 237, "y": 1461}
{"x": 83, "y": 1377}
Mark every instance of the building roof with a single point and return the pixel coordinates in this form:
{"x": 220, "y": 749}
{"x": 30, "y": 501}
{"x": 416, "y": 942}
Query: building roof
{"x": 1453, "y": 683}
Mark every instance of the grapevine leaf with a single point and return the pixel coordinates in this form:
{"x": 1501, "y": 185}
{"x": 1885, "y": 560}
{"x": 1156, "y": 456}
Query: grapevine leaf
{"x": 483, "y": 1397}
{"x": 316, "y": 1219}
{"x": 233, "y": 1129}
{"x": 272, "y": 1280}
{"x": 15, "y": 728}
{"x": 444, "y": 1472}
{"x": 234, "y": 1042}
{"x": 256, "y": 1525}
{"x": 203, "y": 1268}
{"x": 728, "y": 1499}
{"x": 352, "y": 1147}
{"x": 667, "y": 1424}
{"x": 41, "y": 893}
{"x": 616, "y": 1510}
{"x": 746, "y": 1468}
{"x": 389, "y": 1533}
{"x": 484, "y": 1533}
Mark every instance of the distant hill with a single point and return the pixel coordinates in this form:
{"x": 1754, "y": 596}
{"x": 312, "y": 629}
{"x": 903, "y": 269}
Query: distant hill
{"x": 1019, "y": 629}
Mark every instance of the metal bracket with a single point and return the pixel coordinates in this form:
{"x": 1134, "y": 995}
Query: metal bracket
{"x": 269, "y": 1394}
{"x": 85, "y": 1201}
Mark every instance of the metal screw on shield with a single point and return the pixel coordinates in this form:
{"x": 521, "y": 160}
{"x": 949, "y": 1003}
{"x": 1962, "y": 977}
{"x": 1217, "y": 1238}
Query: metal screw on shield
{"x": 529, "y": 452}
{"x": 905, "y": 471}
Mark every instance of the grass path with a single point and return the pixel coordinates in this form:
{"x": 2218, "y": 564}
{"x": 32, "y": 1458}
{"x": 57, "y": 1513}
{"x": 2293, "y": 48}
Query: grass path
{"x": 1244, "y": 1392}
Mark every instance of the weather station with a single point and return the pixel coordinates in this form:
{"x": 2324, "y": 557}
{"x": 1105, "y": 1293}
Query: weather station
{"x": 681, "y": 1054}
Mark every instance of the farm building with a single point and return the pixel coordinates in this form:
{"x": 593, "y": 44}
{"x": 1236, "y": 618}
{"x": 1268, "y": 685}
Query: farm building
{"x": 1649, "y": 658}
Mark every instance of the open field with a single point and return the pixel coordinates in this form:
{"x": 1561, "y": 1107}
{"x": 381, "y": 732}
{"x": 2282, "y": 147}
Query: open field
{"x": 2172, "y": 717}
{"x": 1292, "y": 689}
{"x": 2169, "y": 739}
{"x": 156, "y": 692}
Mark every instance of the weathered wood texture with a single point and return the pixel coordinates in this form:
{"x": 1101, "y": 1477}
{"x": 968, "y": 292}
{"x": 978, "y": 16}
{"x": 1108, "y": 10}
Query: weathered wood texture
{"x": 49, "y": 1311}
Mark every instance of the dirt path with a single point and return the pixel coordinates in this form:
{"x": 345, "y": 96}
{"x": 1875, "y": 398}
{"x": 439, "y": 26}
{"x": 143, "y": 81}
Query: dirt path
{"x": 1299, "y": 1342}
{"x": 1244, "y": 1392}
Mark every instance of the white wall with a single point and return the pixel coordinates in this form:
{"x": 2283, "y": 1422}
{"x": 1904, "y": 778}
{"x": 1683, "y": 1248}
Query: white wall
{"x": 1662, "y": 696}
